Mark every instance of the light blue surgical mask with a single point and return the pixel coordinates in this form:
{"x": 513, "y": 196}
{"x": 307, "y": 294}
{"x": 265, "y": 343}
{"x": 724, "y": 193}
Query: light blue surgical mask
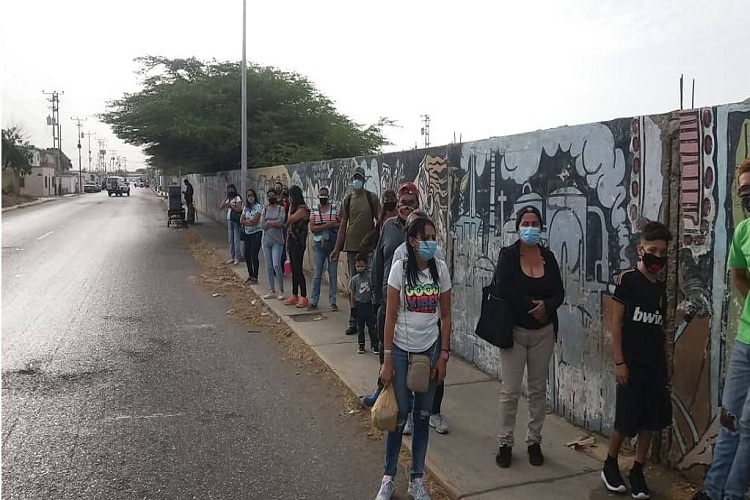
{"x": 530, "y": 235}
{"x": 427, "y": 249}
{"x": 357, "y": 184}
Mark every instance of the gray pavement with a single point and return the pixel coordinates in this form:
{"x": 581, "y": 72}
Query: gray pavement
{"x": 463, "y": 461}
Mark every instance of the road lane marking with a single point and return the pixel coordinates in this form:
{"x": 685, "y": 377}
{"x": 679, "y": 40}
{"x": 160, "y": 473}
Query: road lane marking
{"x": 45, "y": 235}
{"x": 156, "y": 415}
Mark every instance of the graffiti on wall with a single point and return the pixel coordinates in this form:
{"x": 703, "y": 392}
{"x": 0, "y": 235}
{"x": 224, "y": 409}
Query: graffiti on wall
{"x": 712, "y": 142}
{"x": 594, "y": 185}
{"x": 582, "y": 181}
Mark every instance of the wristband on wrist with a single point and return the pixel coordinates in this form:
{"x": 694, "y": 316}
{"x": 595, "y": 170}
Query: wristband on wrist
{"x": 386, "y": 351}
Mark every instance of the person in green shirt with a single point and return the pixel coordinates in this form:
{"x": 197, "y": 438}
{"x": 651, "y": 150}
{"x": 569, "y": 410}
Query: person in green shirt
{"x": 728, "y": 477}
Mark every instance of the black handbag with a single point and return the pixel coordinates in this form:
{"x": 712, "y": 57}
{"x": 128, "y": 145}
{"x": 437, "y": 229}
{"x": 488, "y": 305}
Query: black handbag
{"x": 495, "y": 324}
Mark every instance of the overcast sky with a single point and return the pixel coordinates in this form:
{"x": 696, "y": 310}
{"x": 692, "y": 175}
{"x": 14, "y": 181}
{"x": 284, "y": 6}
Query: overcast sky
{"x": 479, "y": 69}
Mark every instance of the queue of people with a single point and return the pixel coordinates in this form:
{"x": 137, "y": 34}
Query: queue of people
{"x": 400, "y": 300}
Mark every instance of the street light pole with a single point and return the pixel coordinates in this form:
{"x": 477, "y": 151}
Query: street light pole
{"x": 243, "y": 160}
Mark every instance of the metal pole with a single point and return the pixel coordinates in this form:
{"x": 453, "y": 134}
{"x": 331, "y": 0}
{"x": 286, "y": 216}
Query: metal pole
{"x": 243, "y": 160}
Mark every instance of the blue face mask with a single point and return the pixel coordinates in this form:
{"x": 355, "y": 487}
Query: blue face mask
{"x": 530, "y": 235}
{"x": 427, "y": 249}
{"x": 357, "y": 184}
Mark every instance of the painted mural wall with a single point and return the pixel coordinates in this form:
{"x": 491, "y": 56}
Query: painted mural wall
{"x": 595, "y": 185}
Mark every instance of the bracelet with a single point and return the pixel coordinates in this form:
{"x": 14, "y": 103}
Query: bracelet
{"x": 386, "y": 351}
{"x": 620, "y": 363}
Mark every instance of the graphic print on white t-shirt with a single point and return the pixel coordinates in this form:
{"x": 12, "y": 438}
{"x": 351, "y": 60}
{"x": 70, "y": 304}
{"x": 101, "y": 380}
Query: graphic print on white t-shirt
{"x": 422, "y": 298}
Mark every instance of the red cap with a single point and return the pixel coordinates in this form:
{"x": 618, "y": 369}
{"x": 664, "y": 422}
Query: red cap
{"x": 408, "y": 188}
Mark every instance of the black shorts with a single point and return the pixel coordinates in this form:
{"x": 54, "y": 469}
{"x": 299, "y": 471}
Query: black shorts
{"x": 644, "y": 404}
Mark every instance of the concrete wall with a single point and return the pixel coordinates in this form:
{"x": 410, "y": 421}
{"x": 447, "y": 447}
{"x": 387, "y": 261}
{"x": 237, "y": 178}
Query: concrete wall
{"x": 594, "y": 184}
{"x": 40, "y": 182}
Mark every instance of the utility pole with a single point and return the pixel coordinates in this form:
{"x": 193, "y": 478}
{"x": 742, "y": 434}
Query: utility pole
{"x": 80, "y": 136}
{"x": 54, "y": 121}
{"x": 89, "y": 134}
{"x": 243, "y": 127}
{"x": 426, "y": 129}
{"x": 102, "y": 156}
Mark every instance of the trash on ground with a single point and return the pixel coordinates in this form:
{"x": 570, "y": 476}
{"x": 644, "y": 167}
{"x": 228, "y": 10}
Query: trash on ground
{"x": 582, "y": 442}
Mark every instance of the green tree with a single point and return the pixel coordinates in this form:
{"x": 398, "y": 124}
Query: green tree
{"x": 16, "y": 151}
{"x": 187, "y": 116}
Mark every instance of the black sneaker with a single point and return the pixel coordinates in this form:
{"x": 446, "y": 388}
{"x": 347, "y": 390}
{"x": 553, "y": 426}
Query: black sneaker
{"x": 375, "y": 349}
{"x": 504, "y": 456}
{"x": 361, "y": 349}
{"x": 535, "y": 455}
{"x": 638, "y": 487}
{"x": 351, "y": 331}
{"x": 611, "y": 476}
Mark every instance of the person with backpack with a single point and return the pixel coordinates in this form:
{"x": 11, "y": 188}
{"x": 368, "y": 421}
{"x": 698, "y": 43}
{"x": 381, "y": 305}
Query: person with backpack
{"x": 359, "y": 213}
{"x": 324, "y": 226}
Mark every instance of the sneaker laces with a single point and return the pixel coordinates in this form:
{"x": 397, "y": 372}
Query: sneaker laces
{"x": 418, "y": 491}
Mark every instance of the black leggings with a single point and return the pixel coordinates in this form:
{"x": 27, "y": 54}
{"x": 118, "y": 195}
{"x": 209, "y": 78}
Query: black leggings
{"x": 296, "y": 255}
{"x": 252, "y": 249}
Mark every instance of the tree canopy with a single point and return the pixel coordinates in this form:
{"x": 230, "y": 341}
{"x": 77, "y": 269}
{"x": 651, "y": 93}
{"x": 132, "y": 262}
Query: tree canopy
{"x": 187, "y": 116}
{"x": 16, "y": 151}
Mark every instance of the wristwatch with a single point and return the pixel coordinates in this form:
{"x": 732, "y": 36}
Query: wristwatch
{"x": 445, "y": 355}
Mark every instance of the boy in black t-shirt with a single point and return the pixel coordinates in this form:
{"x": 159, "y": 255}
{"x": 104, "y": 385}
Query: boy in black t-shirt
{"x": 643, "y": 400}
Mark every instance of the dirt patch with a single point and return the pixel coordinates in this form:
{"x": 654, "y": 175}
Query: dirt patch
{"x": 12, "y": 199}
{"x": 249, "y": 310}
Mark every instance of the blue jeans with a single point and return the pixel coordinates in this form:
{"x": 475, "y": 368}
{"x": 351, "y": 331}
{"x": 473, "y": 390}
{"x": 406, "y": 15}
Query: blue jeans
{"x": 728, "y": 477}
{"x": 422, "y": 407}
{"x": 274, "y": 266}
{"x": 322, "y": 262}
{"x": 233, "y": 233}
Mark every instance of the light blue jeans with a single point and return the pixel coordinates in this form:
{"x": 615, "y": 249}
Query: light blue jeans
{"x": 274, "y": 266}
{"x": 321, "y": 263}
{"x": 235, "y": 244}
{"x": 422, "y": 409}
{"x": 728, "y": 477}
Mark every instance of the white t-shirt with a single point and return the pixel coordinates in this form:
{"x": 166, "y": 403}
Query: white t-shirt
{"x": 416, "y": 322}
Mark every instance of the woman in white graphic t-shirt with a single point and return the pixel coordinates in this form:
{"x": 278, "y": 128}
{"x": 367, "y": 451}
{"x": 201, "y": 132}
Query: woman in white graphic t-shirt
{"x": 418, "y": 296}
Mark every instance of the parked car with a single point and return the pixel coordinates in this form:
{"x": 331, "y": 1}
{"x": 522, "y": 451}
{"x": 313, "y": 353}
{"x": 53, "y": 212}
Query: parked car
{"x": 91, "y": 187}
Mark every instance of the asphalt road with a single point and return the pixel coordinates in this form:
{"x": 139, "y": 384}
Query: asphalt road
{"x": 123, "y": 379}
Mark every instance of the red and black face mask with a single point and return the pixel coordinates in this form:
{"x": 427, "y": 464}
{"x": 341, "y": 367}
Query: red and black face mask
{"x": 654, "y": 263}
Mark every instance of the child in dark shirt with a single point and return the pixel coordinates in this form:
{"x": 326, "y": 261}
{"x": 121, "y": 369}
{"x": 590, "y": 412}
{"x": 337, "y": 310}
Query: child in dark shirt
{"x": 643, "y": 399}
{"x": 360, "y": 300}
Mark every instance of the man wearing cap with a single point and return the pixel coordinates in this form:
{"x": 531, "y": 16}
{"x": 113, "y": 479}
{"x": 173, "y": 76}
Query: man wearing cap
{"x": 359, "y": 214}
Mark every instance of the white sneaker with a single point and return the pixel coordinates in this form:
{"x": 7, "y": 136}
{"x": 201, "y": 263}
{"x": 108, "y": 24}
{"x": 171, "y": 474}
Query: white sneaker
{"x": 230, "y": 261}
{"x": 386, "y": 490}
{"x": 281, "y": 296}
{"x": 236, "y": 261}
{"x": 437, "y": 422}
{"x": 417, "y": 491}
{"x": 269, "y": 295}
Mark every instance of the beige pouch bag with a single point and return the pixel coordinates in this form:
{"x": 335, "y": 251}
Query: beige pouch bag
{"x": 418, "y": 376}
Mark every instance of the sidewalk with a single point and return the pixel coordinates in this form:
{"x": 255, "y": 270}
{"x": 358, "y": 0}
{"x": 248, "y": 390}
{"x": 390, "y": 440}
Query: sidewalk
{"x": 38, "y": 201}
{"x": 463, "y": 461}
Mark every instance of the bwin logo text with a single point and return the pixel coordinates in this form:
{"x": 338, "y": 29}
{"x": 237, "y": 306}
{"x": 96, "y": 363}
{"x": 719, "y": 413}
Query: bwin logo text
{"x": 646, "y": 317}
